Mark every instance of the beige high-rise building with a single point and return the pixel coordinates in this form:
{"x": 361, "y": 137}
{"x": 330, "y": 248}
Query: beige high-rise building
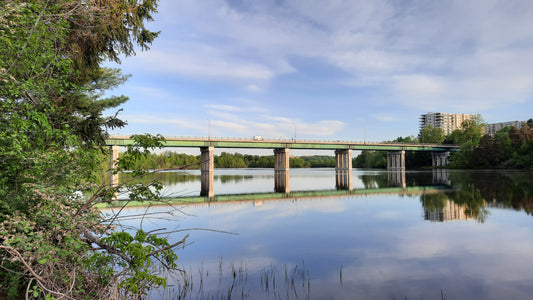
{"x": 448, "y": 122}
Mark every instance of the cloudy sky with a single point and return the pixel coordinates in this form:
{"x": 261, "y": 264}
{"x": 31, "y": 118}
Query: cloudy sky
{"x": 353, "y": 70}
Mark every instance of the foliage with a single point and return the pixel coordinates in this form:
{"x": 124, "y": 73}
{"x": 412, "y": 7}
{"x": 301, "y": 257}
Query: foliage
{"x": 172, "y": 160}
{"x": 319, "y": 161}
{"x": 407, "y": 140}
{"x": 471, "y": 131}
{"x": 371, "y": 159}
{"x": 431, "y": 135}
{"x": 226, "y": 160}
{"x": 53, "y": 92}
{"x": 508, "y": 148}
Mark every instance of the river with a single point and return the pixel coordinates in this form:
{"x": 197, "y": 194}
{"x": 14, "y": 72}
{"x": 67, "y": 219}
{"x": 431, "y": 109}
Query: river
{"x": 463, "y": 235}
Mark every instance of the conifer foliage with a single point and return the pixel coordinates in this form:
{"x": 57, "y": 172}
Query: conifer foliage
{"x": 53, "y": 242}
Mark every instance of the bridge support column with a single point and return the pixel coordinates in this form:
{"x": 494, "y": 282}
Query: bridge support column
{"x": 113, "y": 177}
{"x": 207, "y": 171}
{"x": 439, "y": 159}
{"x": 396, "y": 160}
{"x": 281, "y": 170}
{"x": 343, "y": 169}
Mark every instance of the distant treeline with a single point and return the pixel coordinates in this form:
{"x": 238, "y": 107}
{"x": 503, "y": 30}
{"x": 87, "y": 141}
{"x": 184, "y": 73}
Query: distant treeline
{"x": 170, "y": 160}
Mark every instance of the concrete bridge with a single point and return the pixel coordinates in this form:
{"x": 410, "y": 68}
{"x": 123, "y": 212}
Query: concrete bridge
{"x": 343, "y": 156}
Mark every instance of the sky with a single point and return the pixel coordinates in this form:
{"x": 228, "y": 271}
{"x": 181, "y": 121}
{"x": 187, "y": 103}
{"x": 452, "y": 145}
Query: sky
{"x": 328, "y": 70}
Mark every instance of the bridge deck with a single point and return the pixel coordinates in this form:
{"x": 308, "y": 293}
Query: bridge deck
{"x": 291, "y": 144}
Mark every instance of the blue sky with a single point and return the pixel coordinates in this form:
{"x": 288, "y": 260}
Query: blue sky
{"x": 328, "y": 70}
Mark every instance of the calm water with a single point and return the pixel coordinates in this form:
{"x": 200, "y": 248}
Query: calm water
{"x": 469, "y": 235}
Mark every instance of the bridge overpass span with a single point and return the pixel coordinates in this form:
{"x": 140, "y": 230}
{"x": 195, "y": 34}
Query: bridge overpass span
{"x": 243, "y": 143}
{"x": 343, "y": 155}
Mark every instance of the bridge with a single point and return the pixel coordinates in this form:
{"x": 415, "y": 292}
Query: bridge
{"x": 343, "y": 155}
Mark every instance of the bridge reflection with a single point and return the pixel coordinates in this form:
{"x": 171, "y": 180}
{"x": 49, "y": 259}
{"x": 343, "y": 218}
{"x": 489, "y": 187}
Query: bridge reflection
{"x": 258, "y": 197}
{"x": 391, "y": 182}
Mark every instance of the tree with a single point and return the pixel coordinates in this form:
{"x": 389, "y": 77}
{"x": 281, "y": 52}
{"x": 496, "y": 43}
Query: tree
{"x": 468, "y": 138}
{"x": 371, "y": 159}
{"x": 408, "y": 139}
{"x": 517, "y": 137}
{"x": 473, "y": 129}
{"x": 53, "y": 242}
{"x": 430, "y": 134}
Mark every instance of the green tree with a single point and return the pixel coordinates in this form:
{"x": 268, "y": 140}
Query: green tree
{"x": 298, "y": 162}
{"x": 227, "y": 160}
{"x": 473, "y": 129}
{"x": 371, "y": 159}
{"x": 468, "y": 138}
{"x": 430, "y": 134}
{"x": 53, "y": 242}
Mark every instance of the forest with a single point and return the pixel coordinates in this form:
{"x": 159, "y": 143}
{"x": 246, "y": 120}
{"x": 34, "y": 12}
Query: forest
{"x": 172, "y": 160}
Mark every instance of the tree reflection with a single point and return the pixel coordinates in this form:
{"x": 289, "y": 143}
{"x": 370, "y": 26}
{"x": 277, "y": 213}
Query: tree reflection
{"x": 477, "y": 191}
{"x": 379, "y": 180}
{"x": 501, "y": 189}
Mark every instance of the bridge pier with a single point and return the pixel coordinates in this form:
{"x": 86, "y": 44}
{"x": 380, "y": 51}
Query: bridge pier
{"x": 343, "y": 169}
{"x": 439, "y": 159}
{"x": 208, "y": 171}
{"x": 113, "y": 177}
{"x": 396, "y": 160}
{"x": 281, "y": 170}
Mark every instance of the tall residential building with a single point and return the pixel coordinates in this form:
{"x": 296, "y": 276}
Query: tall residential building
{"x": 491, "y": 129}
{"x": 448, "y": 122}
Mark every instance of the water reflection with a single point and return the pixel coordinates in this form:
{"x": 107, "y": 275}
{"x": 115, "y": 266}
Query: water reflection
{"x": 498, "y": 189}
{"x": 396, "y": 243}
{"x": 463, "y": 196}
{"x": 478, "y": 191}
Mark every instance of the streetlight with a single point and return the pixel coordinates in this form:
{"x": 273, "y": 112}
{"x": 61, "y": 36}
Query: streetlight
{"x": 209, "y": 129}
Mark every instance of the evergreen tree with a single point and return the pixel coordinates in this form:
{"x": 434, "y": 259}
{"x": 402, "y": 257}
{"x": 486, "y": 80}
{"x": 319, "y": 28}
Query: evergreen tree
{"x": 53, "y": 242}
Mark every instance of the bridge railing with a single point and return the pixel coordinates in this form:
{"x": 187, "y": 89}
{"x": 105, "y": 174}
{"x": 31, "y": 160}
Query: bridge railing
{"x": 292, "y": 140}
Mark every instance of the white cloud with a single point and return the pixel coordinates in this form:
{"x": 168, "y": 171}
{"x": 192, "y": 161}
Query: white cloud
{"x": 386, "y": 117}
{"x": 208, "y": 64}
{"x": 253, "y": 88}
{"x": 223, "y": 107}
{"x": 455, "y": 56}
{"x": 217, "y": 114}
{"x": 320, "y": 128}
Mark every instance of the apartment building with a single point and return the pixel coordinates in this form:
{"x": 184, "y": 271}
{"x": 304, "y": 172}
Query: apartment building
{"x": 448, "y": 122}
{"x": 491, "y": 129}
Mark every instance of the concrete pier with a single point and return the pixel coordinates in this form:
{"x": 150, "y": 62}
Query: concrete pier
{"x": 343, "y": 169}
{"x": 207, "y": 171}
{"x": 281, "y": 170}
{"x": 113, "y": 177}
{"x": 439, "y": 159}
{"x": 396, "y": 160}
